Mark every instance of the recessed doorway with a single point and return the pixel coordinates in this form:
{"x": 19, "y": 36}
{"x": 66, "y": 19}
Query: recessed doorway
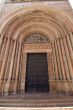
{"x": 37, "y": 79}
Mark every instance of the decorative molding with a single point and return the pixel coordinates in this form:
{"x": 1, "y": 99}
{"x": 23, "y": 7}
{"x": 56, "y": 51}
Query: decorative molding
{"x": 16, "y": 1}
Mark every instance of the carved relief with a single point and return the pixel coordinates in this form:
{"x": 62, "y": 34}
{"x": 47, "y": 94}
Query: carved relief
{"x": 36, "y": 38}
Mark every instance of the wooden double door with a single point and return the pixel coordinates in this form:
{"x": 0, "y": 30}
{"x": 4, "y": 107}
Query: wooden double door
{"x": 37, "y": 79}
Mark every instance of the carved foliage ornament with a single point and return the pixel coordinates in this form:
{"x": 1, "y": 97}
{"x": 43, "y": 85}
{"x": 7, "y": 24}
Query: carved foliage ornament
{"x": 36, "y": 38}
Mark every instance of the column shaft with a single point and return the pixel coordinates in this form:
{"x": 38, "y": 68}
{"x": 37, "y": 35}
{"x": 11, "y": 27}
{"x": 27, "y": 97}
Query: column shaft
{"x": 59, "y": 69}
{"x": 17, "y": 70}
{"x": 6, "y": 89}
{"x": 15, "y": 66}
{"x": 68, "y": 58}
{"x": 61, "y": 61}
{"x": 56, "y": 74}
{"x": 51, "y": 78}
{"x": 1, "y": 42}
{"x": 64, "y": 59}
{"x": 23, "y": 75}
{"x": 65, "y": 65}
{"x": 5, "y": 59}
{"x": 7, "y": 66}
{"x": 2, "y": 52}
{"x": 3, "y": 48}
{"x": 71, "y": 39}
{"x": 4, "y": 64}
{"x": 64, "y": 82}
{"x": 70, "y": 48}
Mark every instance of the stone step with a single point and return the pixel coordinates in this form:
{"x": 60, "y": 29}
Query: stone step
{"x": 36, "y": 100}
{"x": 56, "y": 104}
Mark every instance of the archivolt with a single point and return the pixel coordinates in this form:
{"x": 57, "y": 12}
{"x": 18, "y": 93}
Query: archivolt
{"x": 23, "y": 20}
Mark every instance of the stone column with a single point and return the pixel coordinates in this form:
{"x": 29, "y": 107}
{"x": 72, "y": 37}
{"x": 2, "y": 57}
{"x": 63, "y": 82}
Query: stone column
{"x": 62, "y": 67}
{"x": 2, "y": 52}
{"x": 60, "y": 88}
{"x": 70, "y": 48}
{"x": 65, "y": 66}
{"x": 17, "y": 70}
{"x": 3, "y": 48}
{"x": 23, "y": 74}
{"x": 68, "y": 58}
{"x": 6, "y": 89}
{"x": 71, "y": 39}
{"x": 6, "y": 73}
{"x": 1, "y": 42}
{"x": 4, "y": 63}
{"x": 71, "y": 56}
{"x": 50, "y": 73}
{"x": 56, "y": 74}
{"x": 69, "y": 63}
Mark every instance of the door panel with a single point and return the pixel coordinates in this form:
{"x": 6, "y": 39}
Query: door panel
{"x": 37, "y": 73}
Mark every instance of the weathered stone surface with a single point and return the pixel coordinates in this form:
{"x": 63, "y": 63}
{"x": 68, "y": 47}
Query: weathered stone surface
{"x": 54, "y": 20}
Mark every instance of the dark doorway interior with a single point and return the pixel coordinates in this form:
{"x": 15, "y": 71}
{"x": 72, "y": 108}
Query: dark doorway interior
{"x": 37, "y": 73}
